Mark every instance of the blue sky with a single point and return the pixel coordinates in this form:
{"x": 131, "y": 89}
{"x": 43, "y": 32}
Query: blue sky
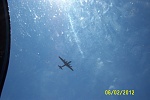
{"x": 106, "y": 40}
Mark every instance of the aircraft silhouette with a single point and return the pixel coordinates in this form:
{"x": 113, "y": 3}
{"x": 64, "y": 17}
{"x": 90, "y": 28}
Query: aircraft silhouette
{"x": 66, "y": 63}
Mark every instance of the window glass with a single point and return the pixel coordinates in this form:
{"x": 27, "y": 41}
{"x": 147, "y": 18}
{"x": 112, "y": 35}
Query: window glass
{"x": 107, "y": 42}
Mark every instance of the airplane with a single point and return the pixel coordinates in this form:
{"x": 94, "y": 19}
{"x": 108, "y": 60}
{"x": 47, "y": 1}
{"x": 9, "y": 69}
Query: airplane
{"x": 66, "y": 63}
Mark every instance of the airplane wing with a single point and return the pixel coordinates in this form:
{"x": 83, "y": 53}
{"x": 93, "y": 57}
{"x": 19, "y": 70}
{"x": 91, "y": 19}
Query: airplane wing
{"x": 70, "y": 67}
{"x": 62, "y": 59}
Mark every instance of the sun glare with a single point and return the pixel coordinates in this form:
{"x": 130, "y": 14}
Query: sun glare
{"x": 62, "y": 1}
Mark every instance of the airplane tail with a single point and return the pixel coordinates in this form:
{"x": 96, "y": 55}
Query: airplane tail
{"x": 60, "y": 67}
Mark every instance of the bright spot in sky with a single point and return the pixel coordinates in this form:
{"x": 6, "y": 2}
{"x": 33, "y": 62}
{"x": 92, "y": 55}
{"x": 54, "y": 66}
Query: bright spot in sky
{"x": 65, "y": 2}
{"x": 62, "y": 1}
{"x": 62, "y": 4}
